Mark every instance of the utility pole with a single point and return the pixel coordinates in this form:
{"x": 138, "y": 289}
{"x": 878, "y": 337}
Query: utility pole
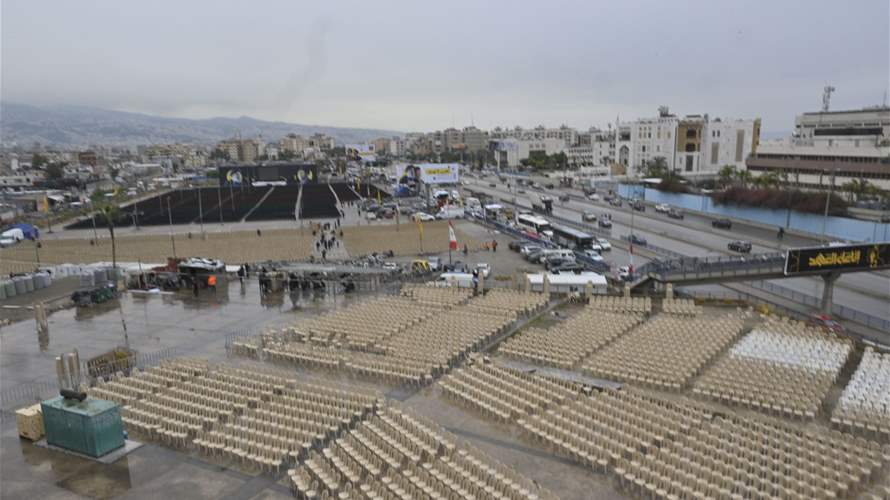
{"x": 170, "y": 220}
{"x": 95, "y": 234}
{"x": 827, "y": 203}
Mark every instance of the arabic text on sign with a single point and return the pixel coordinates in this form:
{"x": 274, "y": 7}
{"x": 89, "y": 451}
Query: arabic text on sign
{"x": 835, "y": 259}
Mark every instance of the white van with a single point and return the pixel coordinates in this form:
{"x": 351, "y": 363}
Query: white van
{"x": 460, "y": 280}
{"x": 555, "y": 252}
{"x": 450, "y": 212}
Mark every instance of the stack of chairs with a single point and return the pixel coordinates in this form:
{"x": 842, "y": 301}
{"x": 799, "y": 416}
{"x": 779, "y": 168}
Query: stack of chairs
{"x": 734, "y": 458}
{"x": 503, "y": 393}
{"x": 681, "y": 307}
{"x": 781, "y": 368}
{"x": 864, "y": 406}
{"x": 567, "y": 343}
{"x": 664, "y": 353}
{"x": 288, "y": 426}
{"x": 397, "y": 455}
{"x": 599, "y": 430}
{"x": 621, "y": 304}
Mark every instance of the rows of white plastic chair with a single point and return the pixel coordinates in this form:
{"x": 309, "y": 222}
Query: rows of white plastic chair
{"x": 810, "y": 350}
{"x": 681, "y": 307}
{"x": 782, "y": 368}
{"x": 864, "y": 406}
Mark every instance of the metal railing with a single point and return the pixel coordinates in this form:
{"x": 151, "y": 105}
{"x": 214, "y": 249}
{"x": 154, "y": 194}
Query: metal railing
{"x": 844, "y": 312}
{"x": 704, "y": 267}
{"x": 25, "y": 394}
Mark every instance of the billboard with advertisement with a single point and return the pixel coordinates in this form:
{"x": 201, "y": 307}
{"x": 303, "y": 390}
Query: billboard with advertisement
{"x": 428, "y": 173}
{"x": 837, "y": 258}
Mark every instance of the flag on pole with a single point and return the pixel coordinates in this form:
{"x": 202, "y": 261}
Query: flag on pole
{"x": 452, "y": 239}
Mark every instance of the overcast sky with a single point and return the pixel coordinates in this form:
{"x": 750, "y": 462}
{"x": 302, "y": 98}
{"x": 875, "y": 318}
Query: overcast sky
{"x": 417, "y": 65}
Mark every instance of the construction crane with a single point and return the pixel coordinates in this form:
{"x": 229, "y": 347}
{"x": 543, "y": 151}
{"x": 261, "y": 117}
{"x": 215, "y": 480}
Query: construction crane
{"x": 826, "y": 97}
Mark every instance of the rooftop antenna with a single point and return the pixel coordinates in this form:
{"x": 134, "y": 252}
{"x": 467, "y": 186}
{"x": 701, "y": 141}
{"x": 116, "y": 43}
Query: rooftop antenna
{"x": 826, "y": 97}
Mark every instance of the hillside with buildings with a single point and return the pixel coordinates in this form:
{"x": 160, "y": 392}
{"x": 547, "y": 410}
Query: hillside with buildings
{"x": 77, "y": 126}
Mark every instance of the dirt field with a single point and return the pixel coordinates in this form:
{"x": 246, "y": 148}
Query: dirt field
{"x": 232, "y": 247}
{"x": 406, "y": 241}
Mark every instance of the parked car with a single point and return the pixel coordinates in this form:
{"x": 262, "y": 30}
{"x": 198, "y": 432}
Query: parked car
{"x": 520, "y": 191}
{"x": 593, "y": 197}
{"x": 554, "y": 261}
{"x": 370, "y": 215}
{"x": 662, "y": 208}
{"x": 492, "y": 184}
{"x": 637, "y": 240}
{"x": 484, "y": 269}
{"x": 615, "y": 202}
{"x": 593, "y": 255}
{"x": 391, "y": 266}
{"x": 564, "y": 198}
{"x": 525, "y": 250}
{"x": 604, "y": 244}
{"x": 596, "y": 247}
{"x": 515, "y": 245}
{"x": 675, "y": 213}
{"x": 740, "y": 246}
{"x": 624, "y": 273}
{"x": 423, "y": 217}
{"x": 722, "y": 223}
{"x": 588, "y": 216}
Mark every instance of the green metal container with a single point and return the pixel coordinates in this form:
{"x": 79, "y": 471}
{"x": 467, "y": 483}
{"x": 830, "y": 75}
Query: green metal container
{"x": 92, "y": 427}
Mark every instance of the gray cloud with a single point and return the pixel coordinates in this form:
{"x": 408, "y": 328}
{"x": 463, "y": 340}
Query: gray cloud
{"x": 419, "y": 66}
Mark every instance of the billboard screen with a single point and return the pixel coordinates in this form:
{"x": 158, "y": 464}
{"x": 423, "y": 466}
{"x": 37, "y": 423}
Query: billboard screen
{"x": 428, "y": 173}
{"x": 837, "y": 258}
{"x": 290, "y": 173}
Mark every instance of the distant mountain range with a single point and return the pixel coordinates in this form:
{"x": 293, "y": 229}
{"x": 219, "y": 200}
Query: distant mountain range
{"x": 79, "y": 126}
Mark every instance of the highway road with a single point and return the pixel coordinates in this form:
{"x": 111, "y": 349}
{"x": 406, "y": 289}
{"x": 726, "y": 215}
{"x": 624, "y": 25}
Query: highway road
{"x": 694, "y": 236}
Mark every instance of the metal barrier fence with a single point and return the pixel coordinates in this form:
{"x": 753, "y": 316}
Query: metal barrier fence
{"x": 838, "y": 310}
{"x": 26, "y": 394}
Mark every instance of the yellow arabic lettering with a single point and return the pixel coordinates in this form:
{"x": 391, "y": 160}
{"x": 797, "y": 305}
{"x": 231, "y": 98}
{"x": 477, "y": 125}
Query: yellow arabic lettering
{"x": 835, "y": 259}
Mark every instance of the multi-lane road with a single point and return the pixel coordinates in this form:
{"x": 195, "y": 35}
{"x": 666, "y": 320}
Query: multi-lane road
{"x": 695, "y": 237}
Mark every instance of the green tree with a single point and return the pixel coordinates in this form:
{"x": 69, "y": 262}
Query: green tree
{"x": 55, "y": 171}
{"x": 38, "y": 160}
{"x": 743, "y": 178}
{"x": 657, "y": 167}
{"x": 726, "y": 175}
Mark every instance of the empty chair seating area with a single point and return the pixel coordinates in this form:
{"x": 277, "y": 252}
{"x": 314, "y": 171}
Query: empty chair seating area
{"x": 344, "y": 192}
{"x": 864, "y": 406}
{"x": 680, "y": 307}
{"x": 730, "y": 458}
{"x": 666, "y": 352}
{"x": 300, "y": 418}
{"x": 396, "y": 455}
{"x": 503, "y": 393}
{"x": 508, "y": 302}
{"x": 601, "y": 429}
{"x": 437, "y": 296}
{"x": 363, "y": 325}
{"x": 566, "y": 343}
{"x": 177, "y": 414}
{"x": 782, "y": 368}
{"x": 614, "y": 303}
{"x": 140, "y": 384}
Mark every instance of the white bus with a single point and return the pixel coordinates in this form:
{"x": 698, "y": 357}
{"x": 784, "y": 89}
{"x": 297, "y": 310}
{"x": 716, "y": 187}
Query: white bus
{"x": 536, "y": 225}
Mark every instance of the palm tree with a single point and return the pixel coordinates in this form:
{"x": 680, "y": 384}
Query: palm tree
{"x": 743, "y": 177}
{"x": 726, "y": 175}
{"x": 110, "y": 213}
